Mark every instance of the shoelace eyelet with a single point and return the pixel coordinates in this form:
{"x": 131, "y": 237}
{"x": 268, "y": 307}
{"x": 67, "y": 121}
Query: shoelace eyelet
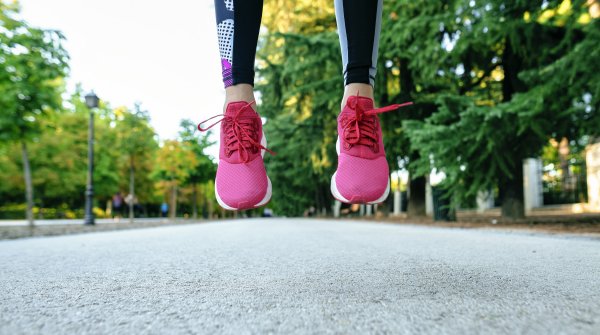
{"x": 375, "y": 148}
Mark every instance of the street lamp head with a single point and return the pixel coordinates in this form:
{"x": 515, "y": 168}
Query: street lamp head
{"x": 92, "y": 100}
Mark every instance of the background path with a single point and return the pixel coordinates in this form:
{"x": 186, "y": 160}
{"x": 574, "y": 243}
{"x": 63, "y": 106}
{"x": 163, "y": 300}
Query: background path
{"x": 53, "y": 222}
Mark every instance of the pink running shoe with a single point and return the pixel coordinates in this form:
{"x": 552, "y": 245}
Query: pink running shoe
{"x": 241, "y": 181}
{"x": 362, "y": 176}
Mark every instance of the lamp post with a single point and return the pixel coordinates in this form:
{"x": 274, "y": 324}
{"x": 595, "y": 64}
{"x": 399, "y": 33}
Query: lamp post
{"x": 91, "y": 101}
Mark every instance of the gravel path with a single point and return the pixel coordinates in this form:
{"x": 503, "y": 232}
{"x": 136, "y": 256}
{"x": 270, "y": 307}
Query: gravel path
{"x": 300, "y": 276}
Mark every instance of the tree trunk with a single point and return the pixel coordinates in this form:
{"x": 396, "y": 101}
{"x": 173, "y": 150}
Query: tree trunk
{"x": 173, "y": 213}
{"x": 511, "y": 195}
{"x": 209, "y": 202}
{"x": 511, "y": 188}
{"x": 202, "y": 196}
{"x": 194, "y": 201}
{"x": 28, "y": 184}
{"x": 326, "y": 202}
{"x": 407, "y": 85}
{"x": 416, "y": 198}
{"x": 317, "y": 198}
{"x": 416, "y": 186}
{"x": 512, "y": 65}
{"x": 131, "y": 189}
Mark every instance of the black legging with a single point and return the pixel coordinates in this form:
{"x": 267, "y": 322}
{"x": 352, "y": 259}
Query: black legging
{"x": 238, "y": 23}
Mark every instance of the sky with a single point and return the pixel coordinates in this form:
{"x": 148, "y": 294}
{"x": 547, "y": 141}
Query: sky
{"x": 163, "y": 54}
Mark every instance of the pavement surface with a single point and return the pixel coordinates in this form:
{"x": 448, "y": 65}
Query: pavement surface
{"x": 300, "y": 276}
{"x": 53, "y": 222}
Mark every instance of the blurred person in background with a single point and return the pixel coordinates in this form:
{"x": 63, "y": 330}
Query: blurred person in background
{"x": 164, "y": 209}
{"x": 362, "y": 174}
{"x": 117, "y": 205}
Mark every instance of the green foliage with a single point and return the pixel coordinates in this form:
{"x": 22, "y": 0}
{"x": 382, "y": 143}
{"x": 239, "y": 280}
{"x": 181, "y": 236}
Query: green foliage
{"x": 59, "y": 158}
{"x": 475, "y": 146}
{"x": 300, "y": 101}
{"x": 137, "y": 145}
{"x": 412, "y": 66}
{"x": 493, "y": 81}
{"x": 301, "y": 88}
{"x": 568, "y": 89}
{"x": 32, "y": 111}
{"x": 175, "y": 161}
{"x": 198, "y": 186}
{"x": 525, "y": 81}
{"x": 32, "y": 65}
{"x": 204, "y": 170}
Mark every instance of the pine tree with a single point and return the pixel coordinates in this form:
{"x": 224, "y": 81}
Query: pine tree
{"x": 512, "y": 63}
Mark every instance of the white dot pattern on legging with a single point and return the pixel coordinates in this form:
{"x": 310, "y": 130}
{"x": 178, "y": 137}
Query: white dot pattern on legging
{"x": 229, "y": 5}
{"x": 225, "y": 32}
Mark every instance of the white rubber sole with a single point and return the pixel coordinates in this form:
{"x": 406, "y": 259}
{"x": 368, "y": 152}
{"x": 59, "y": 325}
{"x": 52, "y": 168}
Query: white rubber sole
{"x": 268, "y": 195}
{"x": 336, "y": 193}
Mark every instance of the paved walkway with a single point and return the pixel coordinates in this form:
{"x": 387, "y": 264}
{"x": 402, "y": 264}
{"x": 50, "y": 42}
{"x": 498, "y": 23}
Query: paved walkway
{"x": 300, "y": 276}
{"x": 24, "y": 223}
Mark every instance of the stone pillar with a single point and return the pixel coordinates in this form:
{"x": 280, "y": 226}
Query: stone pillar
{"x": 397, "y": 202}
{"x": 369, "y": 210}
{"x": 337, "y": 206}
{"x": 592, "y": 161}
{"x": 485, "y": 200}
{"x": 428, "y": 198}
{"x": 532, "y": 183}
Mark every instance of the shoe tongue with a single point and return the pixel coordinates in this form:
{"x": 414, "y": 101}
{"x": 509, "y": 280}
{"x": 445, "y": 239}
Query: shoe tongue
{"x": 234, "y": 107}
{"x": 364, "y": 102}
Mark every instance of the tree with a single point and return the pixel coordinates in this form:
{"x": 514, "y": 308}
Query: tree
{"x": 504, "y": 110}
{"x": 58, "y": 156}
{"x": 107, "y": 153}
{"x": 205, "y": 168}
{"x": 137, "y": 145}
{"x": 301, "y": 87}
{"x": 32, "y": 65}
{"x": 176, "y": 161}
{"x": 411, "y": 60}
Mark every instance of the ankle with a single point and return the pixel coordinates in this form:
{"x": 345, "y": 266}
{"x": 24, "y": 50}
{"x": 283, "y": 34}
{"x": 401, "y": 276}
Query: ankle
{"x": 239, "y": 92}
{"x": 360, "y": 89}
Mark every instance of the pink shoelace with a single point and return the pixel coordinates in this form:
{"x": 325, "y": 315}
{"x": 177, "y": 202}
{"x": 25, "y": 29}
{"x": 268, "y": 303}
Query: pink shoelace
{"x": 240, "y": 133}
{"x": 360, "y": 128}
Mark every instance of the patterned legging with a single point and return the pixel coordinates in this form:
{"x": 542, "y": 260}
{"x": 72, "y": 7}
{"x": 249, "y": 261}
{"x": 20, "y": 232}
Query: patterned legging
{"x": 238, "y": 24}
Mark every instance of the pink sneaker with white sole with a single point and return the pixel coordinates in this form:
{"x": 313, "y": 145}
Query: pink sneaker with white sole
{"x": 362, "y": 176}
{"x": 241, "y": 181}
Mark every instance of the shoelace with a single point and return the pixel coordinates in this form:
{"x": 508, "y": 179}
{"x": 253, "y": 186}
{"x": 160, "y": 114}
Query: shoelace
{"x": 360, "y": 128}
{"x": 240, "y": 133}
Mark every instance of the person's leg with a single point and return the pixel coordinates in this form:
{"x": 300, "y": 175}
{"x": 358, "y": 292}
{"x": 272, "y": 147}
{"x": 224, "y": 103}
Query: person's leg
{"x": 359, "y": 24}
{"x": 241, "y": 181}
{"x": 238, "y": 24}
{"x": 362, "y": 175}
